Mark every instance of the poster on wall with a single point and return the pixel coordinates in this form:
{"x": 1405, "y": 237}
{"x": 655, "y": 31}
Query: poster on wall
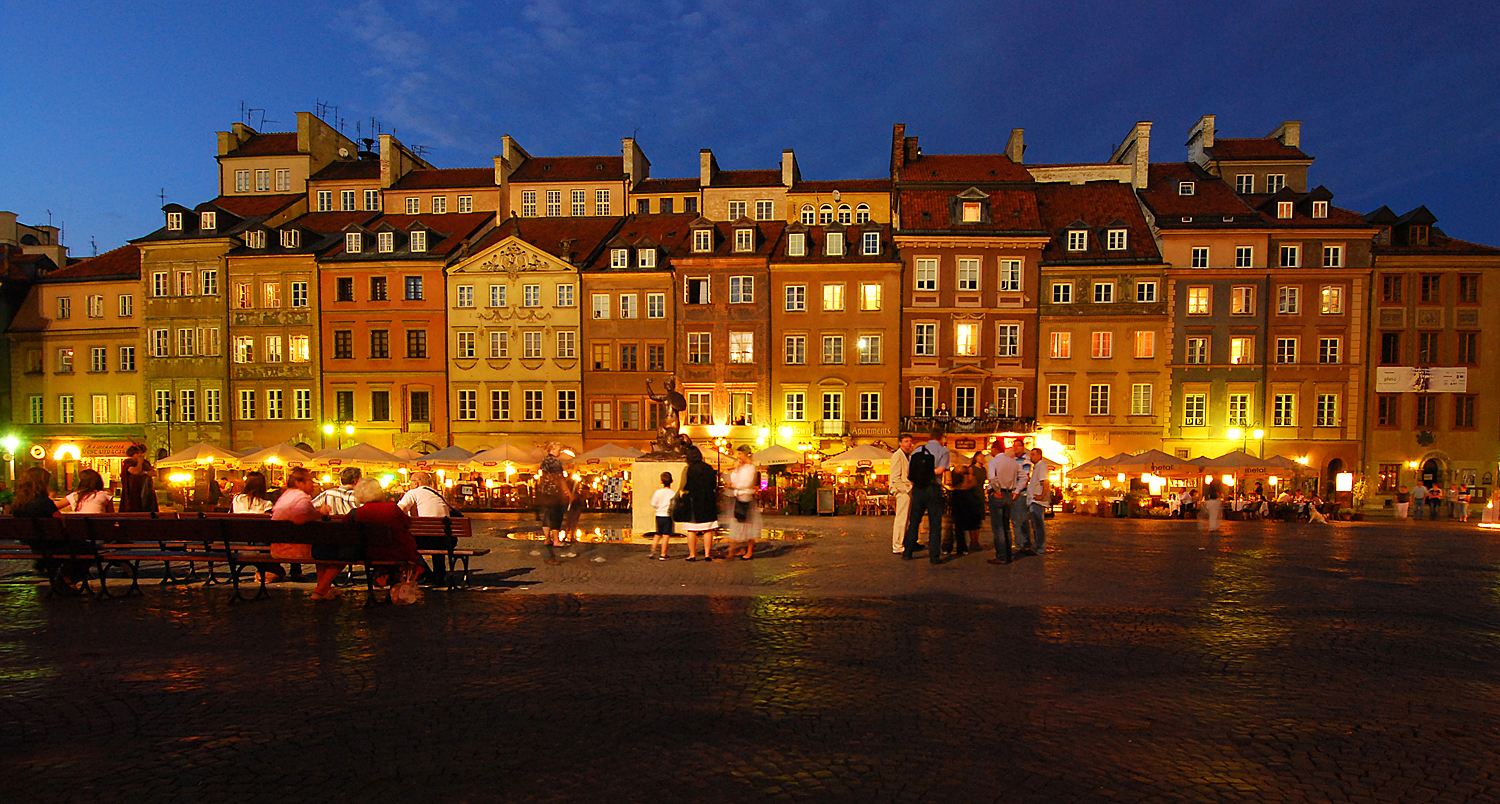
{"x": 1423, "y": 380}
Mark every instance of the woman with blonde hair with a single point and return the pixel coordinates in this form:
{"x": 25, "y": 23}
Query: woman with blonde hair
{"x": 745, "y": 481}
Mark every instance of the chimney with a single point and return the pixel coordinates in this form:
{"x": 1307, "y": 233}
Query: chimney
{"x": 1136, "y": 152}
{"x": 707, "y": 168}
{"x": 790, "y": 175}
{"x": 1289, "y": 132}
{"x": 898, "y": 150}
{"x": 1200, "y": 139}
{"x": 637, "y": 166}
{"x": 512, "y": 152}
{"x": 1015, "y": 147}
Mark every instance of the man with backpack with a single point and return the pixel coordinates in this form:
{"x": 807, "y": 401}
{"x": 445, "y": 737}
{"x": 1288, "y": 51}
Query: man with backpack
{"x": 925, "y": 468}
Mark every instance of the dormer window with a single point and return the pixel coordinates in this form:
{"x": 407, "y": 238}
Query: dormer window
{"x": 703, "y": 241}
{"x": 1284, "y": 209}
{"x": 619, "y": 258}
{"x": 385, "y": 242}
{"x": 1383, "y": 236}
{"x": 291, "y": 238}
{"x": 256, "y": 239}
{"x": 872, "y": 243}
{"x": 1320, "y": 209}
{"x": 834, "y": 245}
{"x": 1116, "y": 241}
{"x": 1416, "y": 235}
{"x": 645, "y": 257}
{"x": 419, "y": 241}
{"x": 744, "y": 239}
{"x": 796, "y": 244}
{"x": 174, "y": 221}
{"x": 973, "y": 212}
{"x": 208, "y": 220}
{"x": 1078, "y": 240}
{"x": 353, "y": 242}
{"x": 1187, "y": 188}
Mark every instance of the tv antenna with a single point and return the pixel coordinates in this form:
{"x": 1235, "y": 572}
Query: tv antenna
{"x": 94, "y": 241}
{"x": 420, "y": 151}
{"x": 163, "y": 196}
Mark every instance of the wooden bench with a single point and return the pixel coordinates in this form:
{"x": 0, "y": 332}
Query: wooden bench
{"x": 456, "y": 527}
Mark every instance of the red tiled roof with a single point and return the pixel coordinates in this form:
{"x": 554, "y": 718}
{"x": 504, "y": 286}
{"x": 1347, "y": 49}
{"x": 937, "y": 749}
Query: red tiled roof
{"x": 267, "y": 145}
{"x": 446, "y": 178}
{"x": 571, "y": 168}
{"x": 122, "y": 262}
{"x": 330, "y": 221}
{"x": 669, "y": 232}
{"x": 667, "y": 186}
{"x": 1211, "y": 197}
{"x": 1253, "y": 148}
{"x": 249, "y": 206}
{"x": 963, "y": 168}
{"x": 1438, "y": 243}
{"x": 547, "y": 234}
{"x": 747, "y": 178}
{"x": 449, "y": 231}
{"x": 1302, "y": 214}
{"x": 853, "y": 244}
{"x": 1101, "y": 205}
{"x": 351, "y": 169}
{"x": 1010, "y": 211}
{"x": 849, "y": 186}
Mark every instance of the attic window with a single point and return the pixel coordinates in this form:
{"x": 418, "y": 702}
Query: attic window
{"x": 825, "y": 214}
{"x": 385, "y": 242}
{"x": 1383, "y": 236}
{"x": 1187, "y": 188}
{"x": 174, "y": 221}
{"x": 796, "y": 245}
{"x": 1116, "y": 240}
{"x": 619, "y": 258}
{"x": 208, "y": 220}
{"x": 744, "y": 239}
{"x": 418, "y": 242}
{"x": 353, "y": 242}
{"x": 703, "y": 240}
{"x": 972, "y": 212}
{"x": 256, "y": 239}
{"x": 1284, "y": 209}
{"x": 291, "y": 238}
{"x": 1320, "y": 209}
{"x": 1416, "y": 235}
{"x": 835, "y": 244}
{"x": 645, "y": 257}
{"x": 1078, "y": 240}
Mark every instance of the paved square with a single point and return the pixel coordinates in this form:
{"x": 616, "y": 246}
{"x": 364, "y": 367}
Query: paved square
{"x": 1142, "y": 661}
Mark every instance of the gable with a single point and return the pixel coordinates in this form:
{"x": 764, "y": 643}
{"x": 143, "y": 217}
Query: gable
{"x": 512, "y": 256}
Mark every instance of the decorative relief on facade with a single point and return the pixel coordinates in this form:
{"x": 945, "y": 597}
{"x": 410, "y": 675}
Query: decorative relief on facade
{"x": 1430, "y": 317}
{"x": 512, "y": 259}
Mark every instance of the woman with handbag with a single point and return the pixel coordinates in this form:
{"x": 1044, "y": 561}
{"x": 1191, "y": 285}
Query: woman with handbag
{"x": 553, "y": 496}
{"x": 699, "y": 504}
{"x": 745, "y": 481}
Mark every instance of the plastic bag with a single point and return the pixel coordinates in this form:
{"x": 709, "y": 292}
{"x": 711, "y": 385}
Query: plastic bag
{"x": 404, "y": 592}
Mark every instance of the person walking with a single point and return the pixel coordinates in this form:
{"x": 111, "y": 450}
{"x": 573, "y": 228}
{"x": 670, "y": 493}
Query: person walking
{"x": 661, "y": 505}
{"x": 700, "y": 493}
{"x": 1001, "y": 471}
{"x": 901, "y": 491}
{"x": 1403, "y": 501}
{"x": 1037, "y": 498}
{"x": 1212, "y": 505}
{"x": 745, "y": 481}
{"x": 553, "y": 496}
{"x": 929, "y": 463}
{"x": 339, "y": 500}
{"x": 422, "y": 500}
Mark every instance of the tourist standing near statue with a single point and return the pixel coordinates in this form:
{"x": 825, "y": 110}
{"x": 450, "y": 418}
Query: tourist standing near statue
{"x": 900, "y": 492}
{"x": 700, "y": 495}
{"x": 744, "y": 479}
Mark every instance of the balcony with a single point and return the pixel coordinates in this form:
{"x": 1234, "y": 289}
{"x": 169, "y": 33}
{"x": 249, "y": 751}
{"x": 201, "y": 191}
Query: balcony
{"x": 969, "y": 424}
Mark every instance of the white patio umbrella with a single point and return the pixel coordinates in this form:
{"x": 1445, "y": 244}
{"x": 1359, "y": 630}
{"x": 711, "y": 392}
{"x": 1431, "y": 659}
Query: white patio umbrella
{"x": 359, "y": 455}
{"x": 284, "y": 454}
{"x": 605, "y": 455}
{"x": 777, "y": 455}
{"x": 447, "y": 456}
{"x": 200, "y": 455}
{"x": 407, "y": 454}
{"x": 495, "y": 459}
{"x": 863, "y": 452}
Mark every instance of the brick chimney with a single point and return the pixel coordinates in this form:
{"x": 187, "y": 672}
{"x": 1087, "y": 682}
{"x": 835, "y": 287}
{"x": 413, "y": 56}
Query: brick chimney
{"x": 1136, "y": 152}
{"x": 1201, "y": 138}
{"x": 1015, "y": 147}
{"x": 708, "y": 168}
{"x": 1289, "y": 132}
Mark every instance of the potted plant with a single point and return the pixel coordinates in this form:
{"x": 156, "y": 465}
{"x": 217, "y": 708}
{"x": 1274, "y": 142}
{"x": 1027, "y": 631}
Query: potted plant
{"x": 1346, "y": 514}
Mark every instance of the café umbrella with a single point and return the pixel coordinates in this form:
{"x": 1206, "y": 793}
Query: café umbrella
{"x": 606, "y": 454}
{"x": 200, "y": 455}
{"x": 284, "y": 454}
{"x": 495, "y": 459}
{"x": 862, "y": 454}
{"x": 777, "y": 455}
{"x": 359, "y": 455}
{"x": 447, "y": 456}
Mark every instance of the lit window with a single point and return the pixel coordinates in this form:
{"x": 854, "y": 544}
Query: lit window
{"x": 972, "y": 212}
{"x": 1320, "y": 209}
{"x": 174, "y": 221}
{"x": 208, "y": 220}
{"x": 1242, "y": 300}
{"x": 1332, "y": 300}
{"x": 966, "y": 338}
{"x": 870, "y": 295}
{"x": 742, "y": 347}
{"x": 1241, "y": 351}
{"x": 1284, "y": 209}
{"x": 833, "y": 297}
{"x": 1198, "y": 300}
{"x": 1103, "y": 345}
{"x": 1145, "y": 343}
{"x": 1062, "y": 345}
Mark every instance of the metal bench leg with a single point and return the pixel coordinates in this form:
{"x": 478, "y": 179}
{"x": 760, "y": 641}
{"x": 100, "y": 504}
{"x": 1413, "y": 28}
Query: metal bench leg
{"x": 467, "y": 582}
{"x": 135, "y": 579}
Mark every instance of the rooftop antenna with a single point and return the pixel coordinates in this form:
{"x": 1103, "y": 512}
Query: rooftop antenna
{"x": 49, "y": 217}
{"x": 163, "y": 196}
{"x": 93, "y": 241}
{"x": 420, "y": 150}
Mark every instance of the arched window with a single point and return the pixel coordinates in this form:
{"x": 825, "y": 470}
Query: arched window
{"x": 862, "y": 213}
{"x": 825, "y": 215}
{"x": 844, "y": 214}
{"x": 807, "y": 214}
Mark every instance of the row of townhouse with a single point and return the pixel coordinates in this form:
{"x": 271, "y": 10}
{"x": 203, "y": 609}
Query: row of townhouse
{"x": 1197, "y": 306}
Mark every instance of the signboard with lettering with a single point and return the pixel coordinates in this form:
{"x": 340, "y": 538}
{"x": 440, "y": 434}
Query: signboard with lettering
{"x": 1421, "y": 380}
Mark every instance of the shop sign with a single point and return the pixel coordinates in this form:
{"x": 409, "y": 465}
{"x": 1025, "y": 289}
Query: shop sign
{"x": 1421, "y": 380}
{"x": 38, "y": 452}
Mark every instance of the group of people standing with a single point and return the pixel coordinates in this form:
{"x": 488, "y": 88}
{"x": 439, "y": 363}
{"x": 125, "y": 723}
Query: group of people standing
{"x": 1015, "y": 490}
{"x": 1423, "y": 500}
{"x": 696, "y": 508}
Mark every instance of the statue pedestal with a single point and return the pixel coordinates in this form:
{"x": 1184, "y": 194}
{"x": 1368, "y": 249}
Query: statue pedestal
{"x": 645, "y": 479}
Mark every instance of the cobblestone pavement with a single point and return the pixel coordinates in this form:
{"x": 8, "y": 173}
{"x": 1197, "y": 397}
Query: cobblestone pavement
{"x": 1142, "y": 661}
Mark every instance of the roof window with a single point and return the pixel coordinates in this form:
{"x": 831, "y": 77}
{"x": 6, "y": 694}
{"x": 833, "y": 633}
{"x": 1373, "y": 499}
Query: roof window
{"x": 1187, "y": 188}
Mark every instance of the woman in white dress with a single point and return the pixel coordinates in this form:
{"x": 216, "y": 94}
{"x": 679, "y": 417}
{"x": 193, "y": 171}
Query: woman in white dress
{"x": 744, "y": 480}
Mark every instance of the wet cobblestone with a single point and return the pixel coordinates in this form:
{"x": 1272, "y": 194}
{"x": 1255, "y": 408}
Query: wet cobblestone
{"x": 1142, "y": 662}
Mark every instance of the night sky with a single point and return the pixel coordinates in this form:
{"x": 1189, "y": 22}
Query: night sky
{"x": 104, "y": 106}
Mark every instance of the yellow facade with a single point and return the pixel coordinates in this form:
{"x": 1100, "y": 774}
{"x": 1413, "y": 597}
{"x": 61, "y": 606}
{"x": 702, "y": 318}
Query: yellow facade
{"x": 272, "y": 349}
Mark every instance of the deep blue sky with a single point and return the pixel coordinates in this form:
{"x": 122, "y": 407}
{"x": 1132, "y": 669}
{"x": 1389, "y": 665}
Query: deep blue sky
{"x": 104, "y": 105}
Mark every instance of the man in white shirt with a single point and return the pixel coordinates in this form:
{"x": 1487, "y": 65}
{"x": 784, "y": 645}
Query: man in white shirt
{"x": 339, "y": 500}
{"x": 1001, "y": 470}
{"x": 1038, "y": 495}
{"x": 1020, "y": 512}
{"x": 900, "y": 491}
{"x": 424, "y": 501}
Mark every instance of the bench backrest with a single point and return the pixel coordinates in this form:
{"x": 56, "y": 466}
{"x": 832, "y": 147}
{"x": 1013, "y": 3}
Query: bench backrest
{"x": 430, "y": 526}
{"x": 235, "y": 529}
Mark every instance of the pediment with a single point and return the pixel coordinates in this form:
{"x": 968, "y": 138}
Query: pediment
{"x": 973, "y": 194}
{"x": 512, "y": 256}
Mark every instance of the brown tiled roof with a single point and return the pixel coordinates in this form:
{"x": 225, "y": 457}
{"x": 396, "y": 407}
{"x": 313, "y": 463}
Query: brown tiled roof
{"x": 249, "y": 206}
{"x": 747, "y": 178}
{"x": 351, "y": 169}
{"x": 588, "y": 235}
{"x": 1438, "y": 243}
{"x": 974, "y": 168}
{"x": 267, "y": 145}
{"x": 1212, "y": 198}
{"x": 670, "y": 233}
{"x": 667, "y": 186}
{"x": 766, "y": 240}
{"x": 332, "y": 221}
{"x": 1010, "y": 211}
{"x": 853, "y": 244}
{"x": 448, "y": 233}
{"x": 1101, "y": 205}
{"x": 849, "y": 186}
{"x": 21, "y": 267}
{"x": 121, "y": 263}
{"x": 446, "y": 178}
{"x": 571, "y": 168}
{"x": 1253, "y": 148}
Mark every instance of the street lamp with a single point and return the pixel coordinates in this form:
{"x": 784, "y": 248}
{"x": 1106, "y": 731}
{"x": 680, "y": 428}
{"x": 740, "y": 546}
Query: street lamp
{"x": 11, "y": 444}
